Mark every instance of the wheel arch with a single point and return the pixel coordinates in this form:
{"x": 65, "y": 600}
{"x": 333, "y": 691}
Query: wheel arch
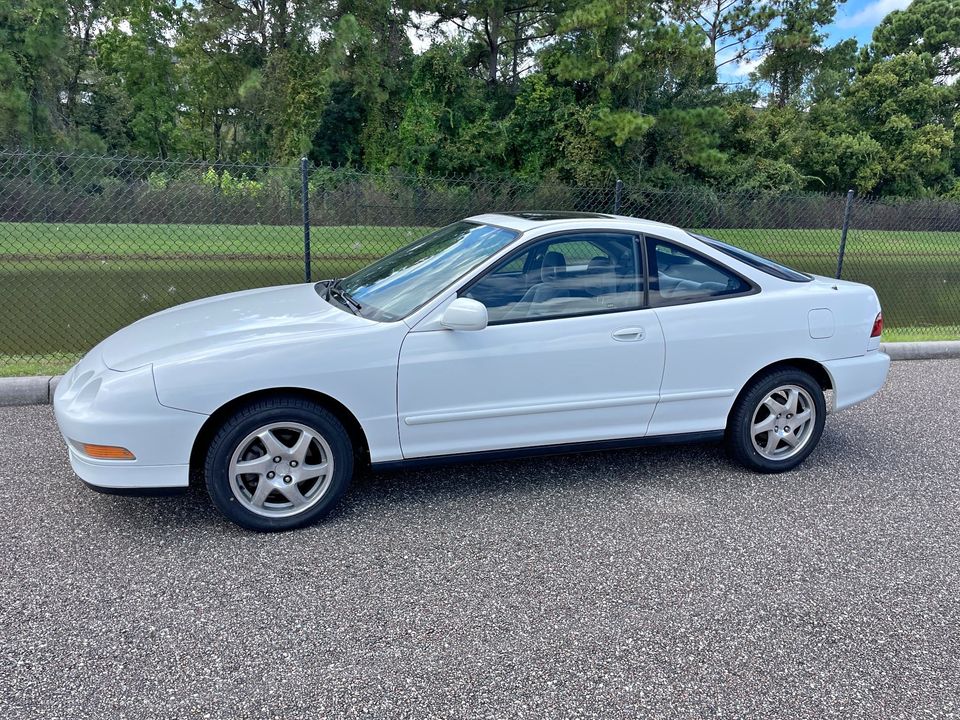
{"x": 209, "y": 428}
{"x": 811, "y": 367}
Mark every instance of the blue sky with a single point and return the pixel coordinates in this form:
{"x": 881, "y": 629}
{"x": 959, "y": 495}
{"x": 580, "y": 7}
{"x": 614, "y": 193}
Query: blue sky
{"x": 858, "y": 18}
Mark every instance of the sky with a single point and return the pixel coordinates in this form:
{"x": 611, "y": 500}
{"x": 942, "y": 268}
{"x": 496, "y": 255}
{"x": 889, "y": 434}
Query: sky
{"x": 858, "y": 18}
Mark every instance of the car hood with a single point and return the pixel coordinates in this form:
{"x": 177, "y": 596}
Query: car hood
{"x": 227, "y": 323}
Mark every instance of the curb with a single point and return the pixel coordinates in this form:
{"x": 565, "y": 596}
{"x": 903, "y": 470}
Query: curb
{"x": 39, "y": 390}
{"x": 36, "y": 390}
{"x": 929, "y": 350}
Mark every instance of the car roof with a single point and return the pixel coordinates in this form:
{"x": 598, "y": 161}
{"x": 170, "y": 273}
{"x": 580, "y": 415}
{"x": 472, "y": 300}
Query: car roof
{"x": 530, "y": 219}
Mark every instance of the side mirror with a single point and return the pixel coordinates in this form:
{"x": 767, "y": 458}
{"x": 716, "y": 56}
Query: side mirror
{"x": 464, "y": 314}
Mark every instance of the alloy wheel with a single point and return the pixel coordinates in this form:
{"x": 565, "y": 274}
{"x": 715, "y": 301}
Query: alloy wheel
{"x": 281, "y": 469}
{"x": 783, "y": 422}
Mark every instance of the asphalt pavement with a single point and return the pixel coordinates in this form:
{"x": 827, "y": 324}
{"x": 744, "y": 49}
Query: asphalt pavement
{"x": 659, "y": 582}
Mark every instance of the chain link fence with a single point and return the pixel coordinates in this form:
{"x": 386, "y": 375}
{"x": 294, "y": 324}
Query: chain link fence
{"x": 89, "y": 244}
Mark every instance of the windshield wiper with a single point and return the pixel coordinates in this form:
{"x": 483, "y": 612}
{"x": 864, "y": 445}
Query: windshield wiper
{"x": 343, "y": 297}
{"x": 327, "y": 284}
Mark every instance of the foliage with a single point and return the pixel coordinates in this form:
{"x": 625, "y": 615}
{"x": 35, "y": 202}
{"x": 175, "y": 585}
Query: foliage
{"x": 796, "y": 49}
{"x": 576, "y": 91}
{"x": 926, "y": 27}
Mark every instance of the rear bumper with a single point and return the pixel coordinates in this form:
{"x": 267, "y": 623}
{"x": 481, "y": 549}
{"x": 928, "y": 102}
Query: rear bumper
{"x": 858, "y": 378}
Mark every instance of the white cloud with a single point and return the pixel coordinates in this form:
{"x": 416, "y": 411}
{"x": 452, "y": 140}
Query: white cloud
{"x": 745, "y": 67}
{"x": 425, "y": 29}
{"x": 872, "y": 13}
{"x": 419, "y": 42}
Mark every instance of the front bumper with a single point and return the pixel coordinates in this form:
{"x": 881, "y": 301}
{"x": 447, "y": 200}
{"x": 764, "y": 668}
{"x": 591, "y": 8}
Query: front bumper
{"x": 858, "y": 378}
{"x": 121, "y": 477}
{"x": 94, "y": 404}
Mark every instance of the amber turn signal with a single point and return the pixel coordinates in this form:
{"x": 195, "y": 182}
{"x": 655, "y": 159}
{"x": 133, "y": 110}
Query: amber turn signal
{"x": 105, "y": 452}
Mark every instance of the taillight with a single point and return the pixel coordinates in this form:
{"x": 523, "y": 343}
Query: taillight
{"x": 877, "y": 326}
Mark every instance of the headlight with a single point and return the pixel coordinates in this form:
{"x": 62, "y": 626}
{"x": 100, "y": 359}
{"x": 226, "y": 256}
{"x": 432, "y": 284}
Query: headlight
{"x": 92, "y": 388}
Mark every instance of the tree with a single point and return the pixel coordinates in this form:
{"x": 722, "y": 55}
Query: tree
{"x": 621, "y": 56}
{"x": 836, "y": 71}
{"x": 139, "y": 63}
{"x": 644, "y": 82}
{"x": 447, "y": 124}
{"x": 794, "y": 46}
{"x": 898, "y": 104}
{"x": 734, "y": 28}
{"x": 549, "y": 135}
{"x": 212, "y": 68}
{"x": 930, "y": 27}
{"x": 84, "y": 17}
{"x": 369, "y": 61}
{"x": 890, "y": 132}
{"x": 32, "y": 38}
{"x": 495, "y": 30}
{"x": 569, "y": 90}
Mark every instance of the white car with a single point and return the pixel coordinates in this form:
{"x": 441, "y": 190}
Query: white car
{"x": 503, "y": 334}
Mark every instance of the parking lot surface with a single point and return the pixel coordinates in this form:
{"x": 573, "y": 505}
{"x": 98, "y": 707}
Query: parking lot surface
{"x": 650, "y": 583}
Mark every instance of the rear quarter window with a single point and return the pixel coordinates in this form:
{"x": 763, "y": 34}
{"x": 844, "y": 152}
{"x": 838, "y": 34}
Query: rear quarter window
{"x": 770, "y": 267}
{"x": 678, "y": 275}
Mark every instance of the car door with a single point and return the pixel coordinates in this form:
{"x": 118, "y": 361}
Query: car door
{"x": 712, "y": 328}
{"x": 569, "y": 355}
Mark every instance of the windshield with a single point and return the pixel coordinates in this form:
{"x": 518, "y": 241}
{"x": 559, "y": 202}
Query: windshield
{"x": 395, "y": 286}
{"x": 758, "y": 261}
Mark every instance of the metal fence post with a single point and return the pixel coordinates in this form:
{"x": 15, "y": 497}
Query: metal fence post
{"x": 617, "y": 196}
{"x": 843, "y": 233}
{"x": 305, "y": 199}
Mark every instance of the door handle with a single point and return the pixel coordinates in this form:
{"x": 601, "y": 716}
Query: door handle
{"x": 629, "y": 334}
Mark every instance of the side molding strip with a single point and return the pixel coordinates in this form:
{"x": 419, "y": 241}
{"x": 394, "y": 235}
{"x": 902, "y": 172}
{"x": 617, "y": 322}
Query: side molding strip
{"x": 528, "y": 409}
{"x": 695, "y": 395}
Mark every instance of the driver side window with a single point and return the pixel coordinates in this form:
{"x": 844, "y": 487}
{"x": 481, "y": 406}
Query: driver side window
{"x": 574, "y": 274}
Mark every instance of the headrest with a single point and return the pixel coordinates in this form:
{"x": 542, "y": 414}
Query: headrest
{"x": 554, "y": 263}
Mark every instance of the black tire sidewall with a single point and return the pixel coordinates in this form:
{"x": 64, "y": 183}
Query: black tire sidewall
{"x": 244, "y": 422}
{"x": 739, "y": 441}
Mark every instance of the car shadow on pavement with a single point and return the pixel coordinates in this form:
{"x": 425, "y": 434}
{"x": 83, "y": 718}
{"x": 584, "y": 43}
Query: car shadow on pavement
{"x": 373, "y": 493}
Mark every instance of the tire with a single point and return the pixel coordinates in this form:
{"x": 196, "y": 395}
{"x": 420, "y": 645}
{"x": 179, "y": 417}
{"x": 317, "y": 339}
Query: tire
{"x": 766, "y": 403}
{"x": 314, "y": 469}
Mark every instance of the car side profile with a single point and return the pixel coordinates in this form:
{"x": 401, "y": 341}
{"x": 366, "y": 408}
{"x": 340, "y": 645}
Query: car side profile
{"x": 499, "y": 335}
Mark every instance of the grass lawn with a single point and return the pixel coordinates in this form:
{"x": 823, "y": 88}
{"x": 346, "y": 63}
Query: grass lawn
{"x": 41, "y": 240}
{"x": 130, "y": 240}
{"x": 40, "y": 365}
{"x": 65, "y": 287}
{"x": 802, "y": 243}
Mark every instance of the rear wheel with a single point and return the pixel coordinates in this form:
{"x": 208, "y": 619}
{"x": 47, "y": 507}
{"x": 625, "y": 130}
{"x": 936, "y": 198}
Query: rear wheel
{"x": 777, "y": 421}
{"x": 278, "y": 464}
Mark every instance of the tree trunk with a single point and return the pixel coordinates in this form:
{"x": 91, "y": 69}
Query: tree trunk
{"x": 81, "y": 60}
{"x": 515, "y": 80}
{"x": 217, "y": 136}
{"x": 492, "y": 23}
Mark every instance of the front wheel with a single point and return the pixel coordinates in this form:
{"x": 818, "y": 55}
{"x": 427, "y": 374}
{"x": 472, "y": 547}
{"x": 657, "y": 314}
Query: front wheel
{"x": 777, "y": 421}
{"x": 278, "y": 464}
